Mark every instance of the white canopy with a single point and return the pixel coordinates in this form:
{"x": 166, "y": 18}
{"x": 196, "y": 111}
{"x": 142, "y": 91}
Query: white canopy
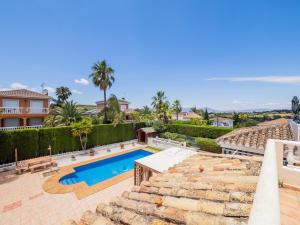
{"x": 163, "y": 160}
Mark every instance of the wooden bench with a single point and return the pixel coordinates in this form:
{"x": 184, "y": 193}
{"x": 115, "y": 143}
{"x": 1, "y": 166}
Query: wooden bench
{"x": 36, "y": 164}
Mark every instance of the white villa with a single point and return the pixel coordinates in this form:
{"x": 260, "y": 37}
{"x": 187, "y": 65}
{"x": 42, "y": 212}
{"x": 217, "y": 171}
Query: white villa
{"x": 185, "y": 116}
{"x": 222, "y": 122}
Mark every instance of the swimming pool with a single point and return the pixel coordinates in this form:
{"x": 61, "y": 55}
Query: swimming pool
{"x": 98, "y": 171}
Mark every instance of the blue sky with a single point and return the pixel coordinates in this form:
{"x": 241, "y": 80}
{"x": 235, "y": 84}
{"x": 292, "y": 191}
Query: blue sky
{"x": 224, "y": 54}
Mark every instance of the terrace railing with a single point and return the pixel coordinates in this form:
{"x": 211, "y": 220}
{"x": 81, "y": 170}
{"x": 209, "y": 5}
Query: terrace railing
{"x": 167, "y": 143}
{"x": 23, "y": 110}
{"x": 20, "y": 127}
{"x": 275, "y": 171}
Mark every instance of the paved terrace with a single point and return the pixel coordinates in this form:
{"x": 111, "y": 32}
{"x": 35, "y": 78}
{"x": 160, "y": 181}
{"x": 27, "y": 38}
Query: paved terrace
{"x": 289, "y": 206}
{"x": 24, "y": 202}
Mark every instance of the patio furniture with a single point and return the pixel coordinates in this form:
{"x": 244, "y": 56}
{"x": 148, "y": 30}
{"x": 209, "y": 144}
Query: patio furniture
{"x": 36, "y": 164}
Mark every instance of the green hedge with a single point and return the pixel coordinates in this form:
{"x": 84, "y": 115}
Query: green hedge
{"x": 198, "y": 131}
{"x": 35, "y": 142}
{"x": 209, "y": 145}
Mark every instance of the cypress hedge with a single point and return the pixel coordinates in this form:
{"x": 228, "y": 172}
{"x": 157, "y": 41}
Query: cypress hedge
{"x": 198, "y": 131}
{"x": 35, "y": 142}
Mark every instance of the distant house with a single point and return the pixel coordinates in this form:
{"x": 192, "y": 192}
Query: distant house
{"x": 124, "y": 107}
{"x": 185, "y": 116}
{"x": 22, "y": 108}
{"x": 253, "y": 140}
{"x": 91, "y": 113}
{"x": 222, "y": 122}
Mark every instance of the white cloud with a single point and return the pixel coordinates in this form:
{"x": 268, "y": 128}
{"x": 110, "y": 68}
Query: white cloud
{"x": 76, "y": 92}
{"x": 266, "y": 79}
{"x": 16, "y": 85}
{"x": 82, "y": 81}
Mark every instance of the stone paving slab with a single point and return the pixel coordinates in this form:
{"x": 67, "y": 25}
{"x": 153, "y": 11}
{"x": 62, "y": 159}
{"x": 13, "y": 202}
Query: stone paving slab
{"x": 24, "y": 202}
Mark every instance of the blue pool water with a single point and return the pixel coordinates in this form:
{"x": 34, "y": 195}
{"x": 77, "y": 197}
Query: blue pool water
{"x": 98, "y": 171}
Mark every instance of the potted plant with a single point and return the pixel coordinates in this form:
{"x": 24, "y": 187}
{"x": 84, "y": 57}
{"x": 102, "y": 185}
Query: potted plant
{"x": 92, "y": 152}
{"x": 122, "y": 146}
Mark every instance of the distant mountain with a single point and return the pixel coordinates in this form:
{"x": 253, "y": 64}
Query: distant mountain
{"x": 211, "y": 110}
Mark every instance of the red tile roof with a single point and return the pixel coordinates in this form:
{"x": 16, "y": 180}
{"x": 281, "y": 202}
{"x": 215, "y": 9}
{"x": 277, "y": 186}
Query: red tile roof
{"x": 23, "y": 93}
{"x": 255, "y": 138}
{"x": 203, "y": 189}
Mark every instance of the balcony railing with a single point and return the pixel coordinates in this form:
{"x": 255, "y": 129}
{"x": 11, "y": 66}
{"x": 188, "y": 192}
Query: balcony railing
{"x": 266, "y": 204}
{"x": 23, "y": 110}
{"x": 20, "y": 127}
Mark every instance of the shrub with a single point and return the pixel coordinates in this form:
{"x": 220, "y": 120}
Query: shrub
{"x": 159, "y": 126}
{"x": 35, "y": 142}
{"x": 190, "y": 141}
{"x": 209, "y": 145}
{"x": 169, "y": 135}
{"x": 198, "y": 131}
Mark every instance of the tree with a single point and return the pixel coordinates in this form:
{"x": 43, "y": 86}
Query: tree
{"x": 197, "y": 111}
{"x": 177, "y": 108}
{"x": 118, "y": 119}
{"x": 194, "y": 109}
{"x": 158, "y": 100}
{"x": 82, "y": 129}
{"x": 146, "y": 110}
{"x": 102, "y": 77}
{"x": 165, "y": 112}
{"x": 62, "y": 93}
{"x": 67, "y": 114}
{"x": 113, "y": 107}
{"x": 236, "y": 118}
{"x": 295, "y": 108}
{"x": 206, "y": 116}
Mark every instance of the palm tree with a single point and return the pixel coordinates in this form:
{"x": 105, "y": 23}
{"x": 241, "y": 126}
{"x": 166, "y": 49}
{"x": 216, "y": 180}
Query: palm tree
{"x": 62, "y": 93}
{"x": 158, "y": 100}
{"x": 67, "y": 114}
{"x": 113, "y": 107}
{"x": 146, "y": 110}
{"x": 165, "y": 109}
{"x": 102, "y": 77}
{"x": 177, "y": 108}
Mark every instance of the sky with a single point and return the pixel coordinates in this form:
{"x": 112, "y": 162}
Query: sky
{"x": 222, "y": 54}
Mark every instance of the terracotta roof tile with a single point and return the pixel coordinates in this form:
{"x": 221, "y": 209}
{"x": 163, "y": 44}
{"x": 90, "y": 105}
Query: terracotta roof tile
{"x": 203, "y": 189}
{"x": 280, "y": 121}
{"x": 256, "y": 137}
{"x": 23, "y": 93}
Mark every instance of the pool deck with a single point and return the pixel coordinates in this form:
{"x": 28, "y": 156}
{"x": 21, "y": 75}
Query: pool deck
{"x": 81, "y": 189}
{"x": 24, "y": 202}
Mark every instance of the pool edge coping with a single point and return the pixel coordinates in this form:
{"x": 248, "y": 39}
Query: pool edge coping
{"x": 82, "y": 190}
